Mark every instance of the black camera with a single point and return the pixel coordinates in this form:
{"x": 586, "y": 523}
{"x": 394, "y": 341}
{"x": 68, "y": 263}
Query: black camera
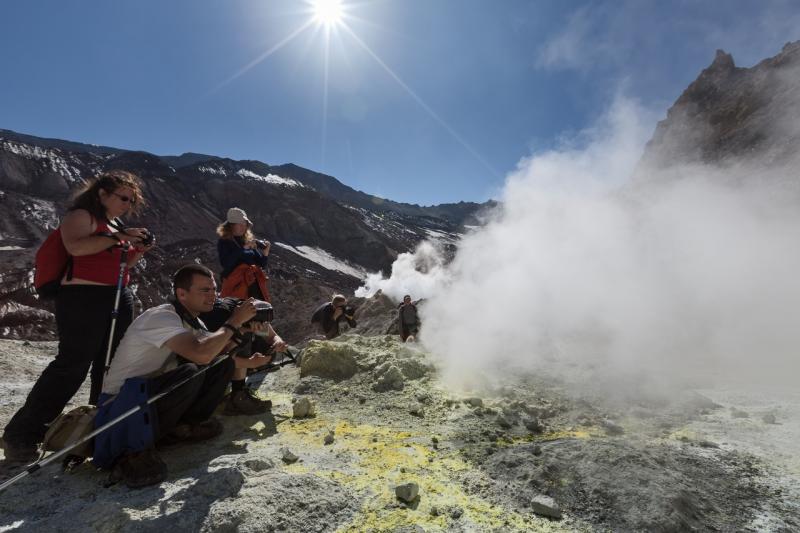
{"x": 264, "y": 312}
{"x": 147, "y": 239}
{"x": 261, "y": 244}
{"x": 349, "y": 310}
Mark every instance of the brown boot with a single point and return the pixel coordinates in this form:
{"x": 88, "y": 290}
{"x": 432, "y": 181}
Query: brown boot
{"x": 245, "y": 402}
{"x": 140, "y": 469}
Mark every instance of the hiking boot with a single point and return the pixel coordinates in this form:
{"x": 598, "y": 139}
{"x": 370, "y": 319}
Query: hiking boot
{"x": 245, "y": 402}
{"x": 19, "y": 452}
{"x": 193, "y": 432}
{"x": 140, "y": 469}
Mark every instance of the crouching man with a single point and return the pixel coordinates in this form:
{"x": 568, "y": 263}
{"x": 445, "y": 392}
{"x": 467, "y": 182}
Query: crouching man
{"x": 146, "y": 363}
{"x": 327, "y": 316}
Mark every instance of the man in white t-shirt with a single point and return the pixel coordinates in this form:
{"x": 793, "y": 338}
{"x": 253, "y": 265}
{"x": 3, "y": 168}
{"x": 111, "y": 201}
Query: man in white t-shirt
{"x": 147, "y": 363}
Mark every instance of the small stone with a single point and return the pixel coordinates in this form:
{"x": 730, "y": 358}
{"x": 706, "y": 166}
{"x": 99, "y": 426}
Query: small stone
{"x": 374, "y": 439}
{"x": 456, "y": 512}
{"x": 435, "y": 511}
{"x": 402, "y": 470}
{"x": 738, "y": 413}
{"x": 707, "y": 444}
{"x": 417, "y": 410}
{"x": 26, "y": 343}
{"x": 503, "y": 422}
{"x": 328, "y": 438}
{"x": 769, "y": 418}
{"x": 533, "y": 425}
{"x": 258, "y": 465}
{"x": 362, "y": 400}
{"x": 545, "y": 506}
{"x": 474, "y": 402}
{"x": 612, "y": 428}
{"x": 435, "y": 439}
{"x": 537, "y": 450}
{"x": 288, "y": 457}
{"x": 407, "y": 492}
{"x": 304, "y": 408}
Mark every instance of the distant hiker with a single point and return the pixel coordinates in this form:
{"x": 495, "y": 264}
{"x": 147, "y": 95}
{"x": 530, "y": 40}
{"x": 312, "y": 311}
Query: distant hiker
{"x": 243, "y": 258}
{"x": 328, "y": 315}
{"x": 261, "y": 340}
{"x": 147, "y": 363}
{"x": 93, "y": 239}
{"x": 408, "y": 319}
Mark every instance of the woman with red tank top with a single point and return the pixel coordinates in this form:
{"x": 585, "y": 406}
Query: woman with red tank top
{"x": 84, "y": 304}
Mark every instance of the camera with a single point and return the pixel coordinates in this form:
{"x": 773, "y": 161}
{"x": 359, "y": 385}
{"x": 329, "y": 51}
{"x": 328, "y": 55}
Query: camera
{"x": 264, "y": 312}
{"x": 349, "y": 310}
{"x": 147, "y": 238}
{"x": 261, "y": 244}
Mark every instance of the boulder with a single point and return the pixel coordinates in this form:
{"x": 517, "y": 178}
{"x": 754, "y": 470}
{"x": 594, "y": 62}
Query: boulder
{"x": 545, "y": 506}
{"x": 328, "y": 360}
{"x": 304, "y": 408}
{"x": 407, "y": 492}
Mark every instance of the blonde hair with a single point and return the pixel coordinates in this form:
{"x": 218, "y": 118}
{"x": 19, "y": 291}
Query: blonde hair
{"x": 88, "y": 197}
{"x": 225, "y": 231}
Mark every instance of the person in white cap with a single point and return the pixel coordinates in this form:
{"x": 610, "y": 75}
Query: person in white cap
{"x": 238, "y": 246}
{"x": 243, "y": 259}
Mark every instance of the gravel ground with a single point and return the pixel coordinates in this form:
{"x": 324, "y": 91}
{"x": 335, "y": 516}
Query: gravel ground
{"x": 482, "y": 461}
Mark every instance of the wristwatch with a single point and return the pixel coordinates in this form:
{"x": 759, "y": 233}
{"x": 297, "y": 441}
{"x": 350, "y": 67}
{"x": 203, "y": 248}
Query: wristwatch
{"x": 233, "y": 329}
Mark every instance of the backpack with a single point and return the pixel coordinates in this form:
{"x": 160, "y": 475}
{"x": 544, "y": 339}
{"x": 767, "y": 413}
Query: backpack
{"x": 52, "y": 261}
{"x": 69, "y": 428}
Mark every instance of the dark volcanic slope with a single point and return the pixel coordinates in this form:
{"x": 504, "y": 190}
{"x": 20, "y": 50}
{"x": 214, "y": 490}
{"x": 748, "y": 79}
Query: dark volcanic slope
{"x": 730, "y": 113}
{"x": 322, "y": 243}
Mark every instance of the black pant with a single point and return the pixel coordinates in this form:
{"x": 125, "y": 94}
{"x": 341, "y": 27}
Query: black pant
{"x": 194, "y": 401}
{"x": 83, "y": 318}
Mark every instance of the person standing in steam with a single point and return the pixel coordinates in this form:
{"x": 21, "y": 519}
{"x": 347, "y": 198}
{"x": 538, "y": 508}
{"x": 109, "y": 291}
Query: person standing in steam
{"x": 408, "y": 320}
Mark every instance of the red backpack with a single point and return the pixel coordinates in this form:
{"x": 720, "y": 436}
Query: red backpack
{"x": 52, "y": 260}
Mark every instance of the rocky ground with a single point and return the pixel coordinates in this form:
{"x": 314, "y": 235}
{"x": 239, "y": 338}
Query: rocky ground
{"x": 387, "y": 448}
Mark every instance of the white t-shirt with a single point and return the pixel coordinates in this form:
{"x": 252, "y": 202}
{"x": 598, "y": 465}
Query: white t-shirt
{"x": 142, "y": 351}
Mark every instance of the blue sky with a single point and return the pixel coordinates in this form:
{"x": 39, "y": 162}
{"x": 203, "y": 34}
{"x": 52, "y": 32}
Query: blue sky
{"x": 428, "y": 101}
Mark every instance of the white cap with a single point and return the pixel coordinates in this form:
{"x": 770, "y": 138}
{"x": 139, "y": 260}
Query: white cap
{"x": 237, "y": 216}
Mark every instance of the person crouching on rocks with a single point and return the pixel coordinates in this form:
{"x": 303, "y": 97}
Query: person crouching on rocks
{"x": 93, "y": 236}
{"x": 262, "y": 339}
{"x": 408, "y": 320}
{"x": 164, "y": 346}
{"x": 328, "y": 315}
{"x": 243, "y": 258}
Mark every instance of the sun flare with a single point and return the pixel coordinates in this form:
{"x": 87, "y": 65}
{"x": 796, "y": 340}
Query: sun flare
{"x": 327, "y": 12}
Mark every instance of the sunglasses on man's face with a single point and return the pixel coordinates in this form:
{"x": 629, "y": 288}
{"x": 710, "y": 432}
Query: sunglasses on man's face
{"x": 126, "y": 199}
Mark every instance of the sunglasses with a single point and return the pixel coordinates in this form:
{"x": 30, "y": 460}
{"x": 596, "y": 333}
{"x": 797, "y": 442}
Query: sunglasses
{"x": 126, "y": 199}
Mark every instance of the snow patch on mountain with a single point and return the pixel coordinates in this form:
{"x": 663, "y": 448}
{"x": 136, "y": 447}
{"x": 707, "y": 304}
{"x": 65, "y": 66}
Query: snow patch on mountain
{"x": 326, "y": 260}
{"x": 51, "y": 158}
{"x": 269, "y": 178}
{"x": 212, "y": 170}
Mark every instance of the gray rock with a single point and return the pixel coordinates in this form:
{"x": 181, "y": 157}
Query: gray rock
{"x": 738, "y": 413}
{"x": 474, "y": 402}
{"x": 328, "y": 360}
{"x": 407, "y": 492}
{"x": 390, "y": 379}
{"x": 258, "y": 464}
{"x": 329, "y": 438}
{"x": 288, "y": 457}
{"x": 304, "y": 408}
{"x": 417, "y": 410}
{"x": 456, "y": 512}
{"x": 545, "y": 506}
{"x": 612, "y": 428}
{"x": 503, "y": 422}
{"x": 533, "y": 425}
{"x": 769, "y": 418}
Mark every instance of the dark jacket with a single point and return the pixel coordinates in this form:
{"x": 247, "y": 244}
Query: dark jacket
{"x": 232, "y": 253}
{"x": 323, "y": 316}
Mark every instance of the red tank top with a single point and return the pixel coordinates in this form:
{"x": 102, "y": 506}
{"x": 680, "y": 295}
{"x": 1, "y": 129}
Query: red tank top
{"x": 102, "y": 267}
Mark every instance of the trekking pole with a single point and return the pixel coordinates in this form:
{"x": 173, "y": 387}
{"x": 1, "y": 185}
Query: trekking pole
{"x": 123, "y": 264}
{"x": 44, "y": 462}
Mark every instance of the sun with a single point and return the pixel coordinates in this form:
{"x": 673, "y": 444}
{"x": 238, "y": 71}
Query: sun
{"x": 327, "y": 12}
